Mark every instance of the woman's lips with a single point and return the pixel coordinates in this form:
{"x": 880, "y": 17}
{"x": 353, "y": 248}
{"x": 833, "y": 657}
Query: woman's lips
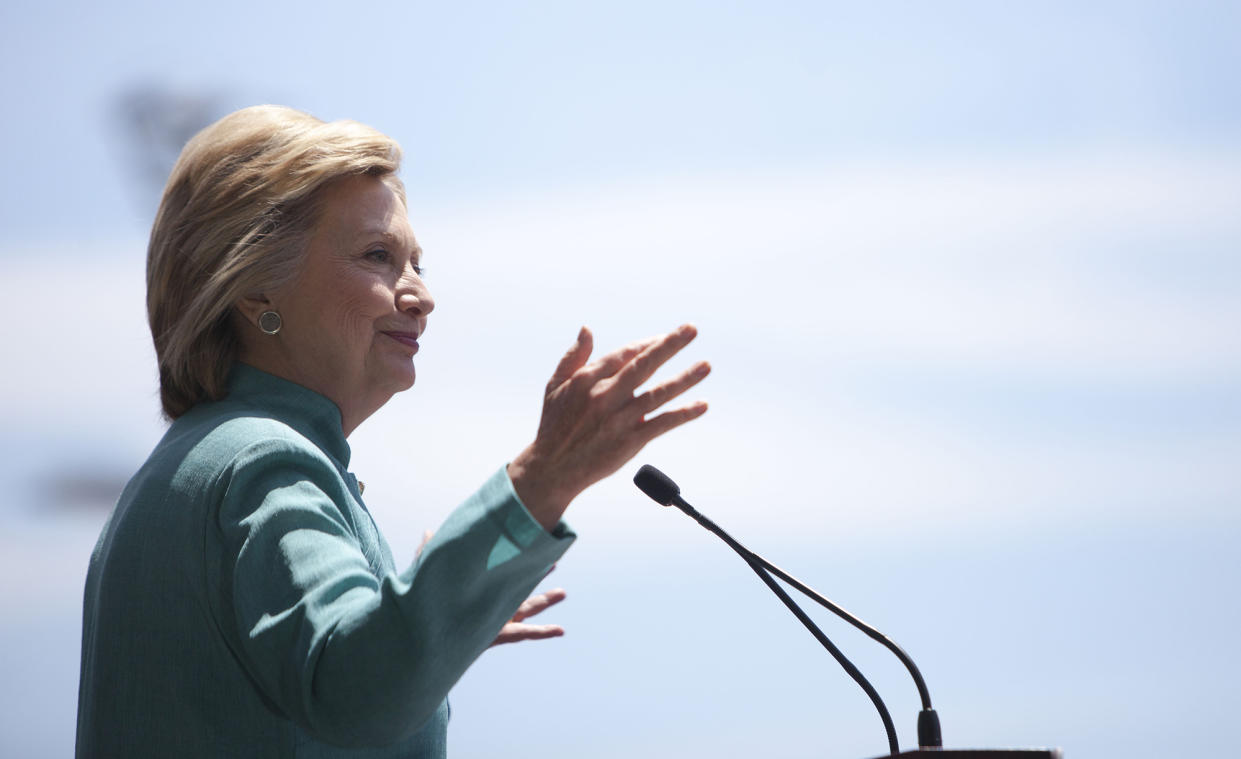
{"x": 408, "y": 339}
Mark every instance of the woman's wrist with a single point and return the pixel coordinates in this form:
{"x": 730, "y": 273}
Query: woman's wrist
{"x": 535, "y": 488}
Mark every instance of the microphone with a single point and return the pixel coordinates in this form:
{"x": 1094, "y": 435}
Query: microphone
{"x": 663, "y": 490}
{"x": 657, "y": 485}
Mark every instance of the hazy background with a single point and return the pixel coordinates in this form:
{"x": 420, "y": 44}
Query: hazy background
{"x": 969, "y": 274}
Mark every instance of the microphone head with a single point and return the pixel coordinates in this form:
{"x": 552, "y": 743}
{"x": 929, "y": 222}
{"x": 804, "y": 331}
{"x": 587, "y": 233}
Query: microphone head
{"x": 657, "y": 485}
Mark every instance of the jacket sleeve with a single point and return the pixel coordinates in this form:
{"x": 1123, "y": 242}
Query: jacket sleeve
{"x": 354, "y": 659}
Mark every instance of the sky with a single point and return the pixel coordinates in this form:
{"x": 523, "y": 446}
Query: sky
{"x": 968, "y": 275}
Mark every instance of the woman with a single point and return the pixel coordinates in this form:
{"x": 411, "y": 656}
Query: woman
{"x": 241, "y": 601}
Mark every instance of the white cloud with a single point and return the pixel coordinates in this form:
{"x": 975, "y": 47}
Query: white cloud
{"x": 1023, "y": 262}
{"x": 817, "y": 294}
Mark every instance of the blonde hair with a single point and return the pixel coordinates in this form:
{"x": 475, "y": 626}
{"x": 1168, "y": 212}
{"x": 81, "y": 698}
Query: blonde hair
{"x": 234, "y": 222}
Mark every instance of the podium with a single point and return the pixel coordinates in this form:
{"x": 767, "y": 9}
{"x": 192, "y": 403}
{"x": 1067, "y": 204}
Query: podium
{"x": 977, "y": 753}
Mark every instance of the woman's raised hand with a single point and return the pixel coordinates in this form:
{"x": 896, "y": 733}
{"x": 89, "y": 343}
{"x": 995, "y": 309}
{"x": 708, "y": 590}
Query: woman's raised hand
{"x": 594, "y": 420}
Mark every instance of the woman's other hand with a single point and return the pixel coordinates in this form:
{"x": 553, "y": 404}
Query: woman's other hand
{"x": 517, "y": 630}
{"x": 593, "y": 422}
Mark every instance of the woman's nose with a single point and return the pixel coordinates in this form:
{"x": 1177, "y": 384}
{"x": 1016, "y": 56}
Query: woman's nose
{"x": 413, "y": 295}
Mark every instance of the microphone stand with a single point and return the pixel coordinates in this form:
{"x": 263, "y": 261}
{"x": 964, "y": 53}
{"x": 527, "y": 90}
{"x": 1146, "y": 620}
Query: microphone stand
{"x": 664, "y": 491}
{"x": 929, "y": 735}
{"x": 928, "y": 721}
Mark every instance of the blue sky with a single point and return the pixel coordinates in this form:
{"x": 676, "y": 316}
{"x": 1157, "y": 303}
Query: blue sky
{"x": 968, "y": 275}
{"x": 502, "y": 97}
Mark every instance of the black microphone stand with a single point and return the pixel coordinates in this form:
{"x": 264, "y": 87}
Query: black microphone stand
{"x": 928, "y": 721}
{"x": 929, "y": 734}
{"x": 663, "y": 490}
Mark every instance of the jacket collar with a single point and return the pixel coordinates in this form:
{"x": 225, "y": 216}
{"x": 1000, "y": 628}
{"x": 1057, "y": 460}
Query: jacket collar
{"x": 314, "y": 416}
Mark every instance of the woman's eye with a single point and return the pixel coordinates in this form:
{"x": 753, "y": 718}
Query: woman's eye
{"x": 379, "y": 255}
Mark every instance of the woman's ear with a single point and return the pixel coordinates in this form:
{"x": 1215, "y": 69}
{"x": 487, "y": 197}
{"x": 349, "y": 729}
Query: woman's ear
{"x": 252, "y": 306}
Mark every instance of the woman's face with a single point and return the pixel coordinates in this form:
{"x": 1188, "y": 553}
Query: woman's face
{"x": 352, "y": 318}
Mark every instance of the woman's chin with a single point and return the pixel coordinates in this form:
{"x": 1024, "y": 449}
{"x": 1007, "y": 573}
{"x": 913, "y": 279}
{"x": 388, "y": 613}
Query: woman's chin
{"x": 393, "y": 375}
{"x": 399, "y": 383}
{"x": 404, "y": 380}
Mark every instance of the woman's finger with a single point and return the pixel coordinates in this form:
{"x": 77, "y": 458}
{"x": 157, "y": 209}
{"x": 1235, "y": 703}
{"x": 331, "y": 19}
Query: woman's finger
{"x": 574, "y": 359}
{"x": 661, "y": 394}
{"x": 426, "y": 538}
{"x": 669, "y": 420}
{"x": 610, "y": 364}
{"x": 539, "y": 603}
{"x": 514, "y": 632}
{"x": 641, "y": 368}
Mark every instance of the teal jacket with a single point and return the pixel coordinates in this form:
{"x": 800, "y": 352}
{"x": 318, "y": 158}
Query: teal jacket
{"x": 241, "y": 602}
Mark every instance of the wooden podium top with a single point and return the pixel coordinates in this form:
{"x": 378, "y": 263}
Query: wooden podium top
{"x": 978, "y": 753}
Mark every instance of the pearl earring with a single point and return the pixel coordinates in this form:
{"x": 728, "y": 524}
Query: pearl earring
{"x": 270, "y": 322}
